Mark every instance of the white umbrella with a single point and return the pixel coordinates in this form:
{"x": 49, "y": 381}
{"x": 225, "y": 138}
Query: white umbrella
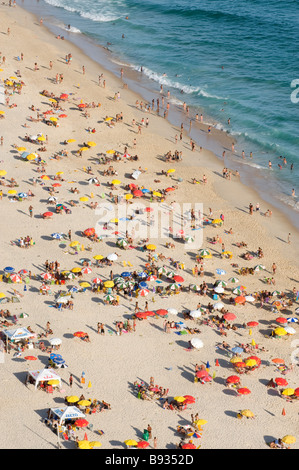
{"x": 249, "y": 298}
{"x": 55, "y": 341}
{"x": 219, "y": 290}
{"x": 290, "y": 330}
{"x": 292, "y": 320}
{"x": 195, "y": 314}
{"x": 112, "y": 257}
{"x": 172, "y": 311}
{"x": 197, "y": 343}
{"x": 218, "y": 306}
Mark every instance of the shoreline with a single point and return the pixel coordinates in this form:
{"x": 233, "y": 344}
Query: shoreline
{"x": 112, "y": 363}
{"x": 221, "y": 140}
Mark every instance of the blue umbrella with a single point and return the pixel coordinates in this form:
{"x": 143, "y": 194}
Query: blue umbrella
{"x": 73, "y": 289}
{"x": 22, "y": 195}
{"x": 125, "y": 274}
{"x": 292, "y": 320}
{"x": 58, "y": 360}
{"x": 237, "y": 350}
{"x": 56, "y": 235}
{"x": 9, "y": 270}
{"x": 221, "y": 272}
{"x": 25, "y": 154}
{"x": 145, "y": 190}
{"x": 143, "y": 284}
{"x": 53, "y": 356}
{"x": 142, "y": 275}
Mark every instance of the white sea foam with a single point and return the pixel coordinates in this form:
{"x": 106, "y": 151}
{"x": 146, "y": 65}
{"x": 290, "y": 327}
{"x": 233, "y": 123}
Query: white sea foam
{"x": 104, "y": 16}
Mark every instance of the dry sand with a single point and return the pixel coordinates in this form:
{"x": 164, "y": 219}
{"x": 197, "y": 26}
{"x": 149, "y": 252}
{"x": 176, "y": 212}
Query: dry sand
{"x": 112, "y": 363}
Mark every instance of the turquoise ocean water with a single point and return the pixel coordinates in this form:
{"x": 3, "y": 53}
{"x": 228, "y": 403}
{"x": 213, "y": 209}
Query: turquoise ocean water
{"x": 230, "y": 59}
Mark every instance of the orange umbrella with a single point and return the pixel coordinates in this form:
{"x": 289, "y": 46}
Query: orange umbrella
{"x": 278, "y": 361}
{"x": 240, "y": 300}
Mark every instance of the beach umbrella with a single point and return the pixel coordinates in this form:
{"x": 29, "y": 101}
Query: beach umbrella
{"x": 234, "y": 360}
{"x": 112, "y": 257}
{"x": 240, "y": 300}
{"x": 200, "y": 374}
{"x": 9, "y": 270}
{"x": 218, "y": 306}
{"x": 281, "y": 320}
{"x": 89, "y": 231}
{"x": 239, "y": 364}
{"x": 91, "y": 144}
{"x": 280, "y": 331}
{"x": 237, "y": 291}
{"x": 196, "y": 343}
{"x": 189, "y": 239}
{"x": 204, "y": 253}
{"x": 234, "y": 280}
{"x": 15, "y": 278}
{"x": 96, "y": 280}
{"x": 152, "y": 277}
{"x": 84, "y": 199}
{"x": 151, "y": 247}
{"x": 81, "y": 423}
{"x": 70, "y": 141}
{"x": 162, "y": 312}
{"x": 289, "y": 439}
{"x": 296, "y": 392}
{"x": 131, "y": 443}
{"x": 250, "y": 363}
{"x": 288, "y": 392}
{"x": 281, "y": 381}
{"x": 172, "y": 311}
{"x": 259, "y": 267}
{"x": 45, "y": 288}
{"x": 55, "y": 341}
{"x": 115, "y": 182}
{"x": 84, "y": 444}
{"x": 12, "y": 191}
{"x": 290, "y": 330}
{"x": 142, "y": 445}
{"x": 157, "y": 194}
{"x": 79, "y": 334}
{"x": 200, "y": 422}
{"x": 85, "y": 284}
{"x": 244, "y": 391}
{"x": 195, "y": 313}
{"x": 95, "y": 444}
{"x": 277, "y": 360}
{"x": 179, "y": 399}
{"x": 188, "y": 446}
{"x": 219, "y": 290}
{"x": 177, "y": 278}
{"x": 22, "y": 195}
{"x": 252, "y": 323}
{"x": 249, "y": 298}
{"x": 122, "y": 242}
{"x": 143, "y": 292}
{"x": 175, "y": 286}
{"x": 292, "y": 320}
{"x": 247, "y": 413}
{"x": 170, "y": 274}
{"x": 237, "y": 350}
{"x": 2, "y": 295}
{"x": 221, "y": 283}
{"x": 84, "y": 403}
{"x": 221, "y": 272}
{"x": 57, "y": 236}
{"x": 229, "y": 316}
{"x": 47, "y": 214}
{"x": 72, "y": 399}
{"x": 233, "y": 379}
{"x": 30, "y": 358}
{"x": 108, "y": 284}
{"x": 46, "y": 276}
{"x": 86, "y": 270}
{"x": 76, "y": 270}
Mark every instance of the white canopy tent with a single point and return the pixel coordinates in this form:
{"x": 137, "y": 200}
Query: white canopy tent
{"x": 43, "y": 376}
{"x": 18, "y": 334}
{"x": 67, "y": 412}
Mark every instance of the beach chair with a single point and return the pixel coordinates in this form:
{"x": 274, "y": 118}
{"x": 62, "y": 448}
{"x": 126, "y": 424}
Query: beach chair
{"x": 49, "y": 389}
{"x": 124, "y": 264}
{"x": 130, "y": 264}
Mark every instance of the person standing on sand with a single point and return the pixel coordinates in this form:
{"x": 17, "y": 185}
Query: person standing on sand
{"x": 71, "y": 380}
{"x": 274, "y": 267}
{"x": 289, "y": 238}
{"x": 31, "y": 211}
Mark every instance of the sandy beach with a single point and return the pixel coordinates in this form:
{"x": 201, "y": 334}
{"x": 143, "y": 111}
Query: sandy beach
{"x": 113, "y": 363}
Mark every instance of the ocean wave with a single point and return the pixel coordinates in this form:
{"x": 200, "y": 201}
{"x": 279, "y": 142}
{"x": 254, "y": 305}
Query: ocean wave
{"x": 208, "y": 95}
{"x": 91, "y": 15}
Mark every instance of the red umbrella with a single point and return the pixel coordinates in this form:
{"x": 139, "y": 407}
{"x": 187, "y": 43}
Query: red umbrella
{"x": 229, "y": 316}
{"x": 201, "y": 373}
{"x": 133, "y": 186}
{"x": 89, "y": 231}
{"x": 149, "y": 314}
{"x": 30, "y": 358}
{"x": 188, "y": 446}
{"x": 142, "y": 444}
{"x": 233, "y": 379}
{"x": 141, "y": 315}
{"x": 47, "y": 214}
{"x": 277, "y": 360}
{"x": 189, "y": 400}
{"x": 81, "y": 423}
{"x": 62, "y": 115}
{"x": 56, "y": 185}
{"x": 162, "y": 312}
{"x": 252, "y": 323}
{"x": 148, "y": 209}
{"x": 244, "y": 391}
{"x": 281, "y": 320}
{"x": 137, "y": 193}
{"x": 79, "y": 334}
{"x": 82, "y": 105}
{"x": 64, "y": 96}
{"x": 239, "y": 364}
{"x": 169, "y": 189}
{"x": 280, "y": 381}
{"x": 178, "y": 278}
{"x": 296, "y": 392}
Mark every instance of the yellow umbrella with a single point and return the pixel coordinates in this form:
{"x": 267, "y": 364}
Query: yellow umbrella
{"x": 84, "y": 403}
{"x": 76, "y": 270}
{"x": 288, "y": 392}
{"x": 151, "y": 247}
{"x": 180, "y": 399}
{"x": 70, "y": 141}
{"x": 54, "y": 119}
{"x": 98, "y": 257}
{"x": 91, "y": 144}
{"x": 59, "y": 173}
{"x": 2, "y": 113}
{"x": 53, "y": 382}
{"x": 110, "y": 151}
{"x": 280, "y": 331}
{"x": 108, "y": 119}
{"x": 84, "y": 199}
{"x": 84, "y": 445}
{"x": 45, "y": 177}
{"x": 74, "y": 243}
{"x": 13, "y": 78}
{"x": 288, "y": 439}
{"x": 172, "y": 170}
{"x": 84, "y": 284}
{"x": 155, "y": 193}
{"x": 200, "y": 422}
{"x": 72, "y": 399}
{"x": 52, "y": 100}
{"x": 95, "y": 444}
{"x": 235, "y": 359}
{"x": 30, "y": 157}
{"x": 131, "y": 442}
{"x": 82, "y": 149}
{"x": 2, "y": 295}
{"x": 3, "y": 172}
{"x": 21, "y": 149}
{"x": 247, "y": 413}
{"x": 207, "y": 256}
{"x": 41, "y": 138}
{"x": 12, "y": 191}
{"x": 115, "y": 182}
{"x": 108, "y": 283}
{"x": 114, "y": 221}
{"x": 128, "y": 196}
{"x": 250, "y": 362}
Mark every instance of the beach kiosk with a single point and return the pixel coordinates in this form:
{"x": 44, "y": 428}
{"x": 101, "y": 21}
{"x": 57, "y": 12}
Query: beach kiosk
{"x": 66, "y": 413}
{"x": 40, "y": 376}
{"x": 18, "y": 334}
